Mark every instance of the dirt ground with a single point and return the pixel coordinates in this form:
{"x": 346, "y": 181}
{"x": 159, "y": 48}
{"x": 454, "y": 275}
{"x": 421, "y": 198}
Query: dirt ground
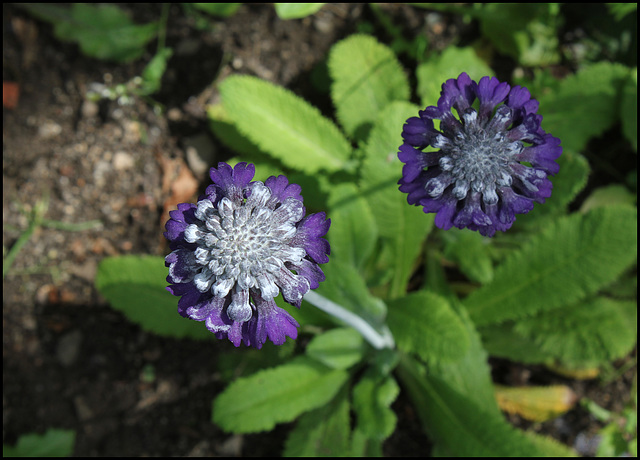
{"x": 70, "y": 361}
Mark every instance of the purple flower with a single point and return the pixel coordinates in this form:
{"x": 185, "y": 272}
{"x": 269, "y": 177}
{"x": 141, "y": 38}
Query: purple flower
{"x": 488, "y": 164}
{"x": 241, "y": 245}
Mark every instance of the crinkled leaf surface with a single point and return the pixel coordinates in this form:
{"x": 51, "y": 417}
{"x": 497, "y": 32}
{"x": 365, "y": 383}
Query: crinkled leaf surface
{"x": 136, "y": 286}
{"x": 570, "y": 259}
{"x": 353, "y": 231}
{"x": 402, "y": 227}
{"x": 284, "y": 125}
{"x": 322, "y": 432}
{"x": 276, "y": 395}
{"x": 585, "y": 104}
{"x": 338, "y": 348}
{"x": 366, "y": 77}
{"x": 471, "y": 251}
{"x": 461, "y": 428}
{"x": 425, "y": 324}
{"x": 585, "y": 334}
{"x": 572, "y": 178}
{"x": 372, "y": 399}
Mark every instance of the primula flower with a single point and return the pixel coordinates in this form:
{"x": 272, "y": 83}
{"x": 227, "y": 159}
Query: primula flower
{"x": 489, "y": 163}
{"x": 242, "y": 244}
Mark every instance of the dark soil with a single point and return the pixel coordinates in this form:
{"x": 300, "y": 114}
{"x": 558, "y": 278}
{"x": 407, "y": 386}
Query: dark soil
{"x": 69, "y": 360}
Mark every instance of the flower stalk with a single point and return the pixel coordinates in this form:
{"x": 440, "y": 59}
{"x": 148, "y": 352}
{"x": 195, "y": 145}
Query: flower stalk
{"x": 376, "y": 339}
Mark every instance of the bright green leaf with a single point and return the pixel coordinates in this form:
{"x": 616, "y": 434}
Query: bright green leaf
{"x": 372, "y": 399}
{"x": 584, "y": 334}
{"x": 608, "y": 195}
{"x": 338, "y": 348}
{"x": 136, "y": 286}
{"x": 402, "y": 227}
{"x": 459, "y": 427}
{"x": 470, "y": 251}
{"x": 571, "y": 180}
{"x": 366, "y": 77}
{"x": 227, "y": 133}
{"x": 153, "y": 72}
{"x": 276, "y": 395}
{"x": 570, "y": 259}
{"x": 470, "y": 374}
{"x": 353, "y": 231}
{"x": 54, "y": 443}
{"x": 101, "y": 31}
{"x": 296, "y": 10}
{"x": 425, "y": 324}
{"x": 585, "y": 105}
{"x": 323, "y": 432}
{"x": 284, "y": 125}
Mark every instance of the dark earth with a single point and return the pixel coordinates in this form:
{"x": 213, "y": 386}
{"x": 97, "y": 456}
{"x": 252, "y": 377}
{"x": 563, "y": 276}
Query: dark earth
{"x": 72, "y": 362}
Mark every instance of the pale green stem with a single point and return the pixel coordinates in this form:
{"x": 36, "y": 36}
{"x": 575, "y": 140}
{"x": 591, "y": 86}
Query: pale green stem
{"x": 377, "y": 340}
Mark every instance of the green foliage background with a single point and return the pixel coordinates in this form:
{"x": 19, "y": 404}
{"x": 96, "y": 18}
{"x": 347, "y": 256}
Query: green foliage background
{"x": 558, "y": 289}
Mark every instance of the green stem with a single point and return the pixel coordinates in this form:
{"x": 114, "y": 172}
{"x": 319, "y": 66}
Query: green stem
{"x": 377, "y": 340}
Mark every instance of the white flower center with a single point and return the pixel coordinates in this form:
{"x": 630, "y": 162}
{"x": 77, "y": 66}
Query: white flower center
{"x": 478, "y": 157}
{"x": 244, "y": 244}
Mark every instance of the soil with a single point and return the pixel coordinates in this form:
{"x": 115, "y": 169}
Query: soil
{"x": 69, "y": 360}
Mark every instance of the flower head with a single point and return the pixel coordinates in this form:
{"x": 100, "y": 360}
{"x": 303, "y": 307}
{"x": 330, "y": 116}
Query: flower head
{"x": 490, "y": 162}
{"x": 237, "y": 248}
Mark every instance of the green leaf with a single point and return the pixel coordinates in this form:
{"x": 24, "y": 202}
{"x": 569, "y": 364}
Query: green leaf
{"x": 136, "y": 286}
{"x": 502, "y": 341}
{"x": 584, "y": 334}
{"x": 585, "y": 105}
{"x": 470, "y": 251}
{"x": 54, "y": 443}
{"x": 451, "y": 63}
{"x": 296, "y": 10}
{"x": 346, "y": 287}
{"x": 569, "y": 260}
{"x": 459, "y": 427}
{"x": 353, "y": 231}
{"x": 260, "y": 401}
{"x": 323, "y": 432}
{"x": 620, "y": 10}
{"x": 469, "y": 375}
{"x": 571, "y": 180}
{"x": 372, "y": 399}
{"x": 338, "y": 348}
{"x": 227, "y": 133}
{"x": 425, "y": 324}
{"x": 153, "y": 72}
{"x": 608, "y": 195}
{"x": 284, "y": 125}
{"x": 366, "y": 77}
{"x": 403, "y": 228}
{"x": 528, "y": 32}
{"x": 364, "y": 446}
{"x": 102, "y": 31}
{"x": 629, "y": 108}
{"x": 223, "y": 10}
